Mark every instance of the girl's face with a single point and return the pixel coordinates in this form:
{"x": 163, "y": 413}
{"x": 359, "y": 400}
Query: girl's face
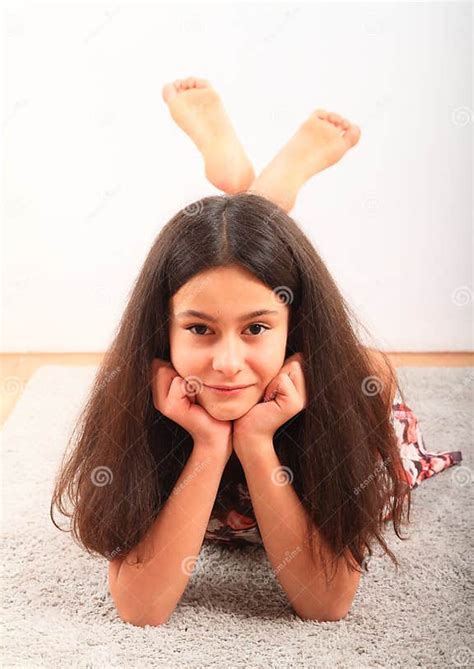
{"x": 223, "y": 345}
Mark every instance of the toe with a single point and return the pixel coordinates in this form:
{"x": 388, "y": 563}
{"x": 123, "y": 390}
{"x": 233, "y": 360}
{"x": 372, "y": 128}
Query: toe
{"x": 352, "y": 135}
{"x": 321, "y": 113}
{"x": 345, "y": 124}
{"x": 335, "y": 118}
{"x": 169, "y": 92}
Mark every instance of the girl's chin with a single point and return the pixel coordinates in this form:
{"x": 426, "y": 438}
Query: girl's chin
{"x": 228, "y": 411}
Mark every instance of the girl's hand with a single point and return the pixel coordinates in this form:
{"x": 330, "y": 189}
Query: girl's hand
{"x": 175, "y": 399}
{"x": 285, "y": 396}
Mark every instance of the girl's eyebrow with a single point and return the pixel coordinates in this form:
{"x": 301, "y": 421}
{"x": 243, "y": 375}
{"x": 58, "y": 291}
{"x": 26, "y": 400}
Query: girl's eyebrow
{"x": 208, "y": 317}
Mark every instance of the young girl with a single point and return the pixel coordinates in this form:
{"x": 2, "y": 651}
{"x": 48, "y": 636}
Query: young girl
{"x": 308, "y": 448}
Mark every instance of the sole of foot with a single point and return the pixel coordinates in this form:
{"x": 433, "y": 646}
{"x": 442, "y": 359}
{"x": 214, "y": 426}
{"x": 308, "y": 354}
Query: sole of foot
{"x": 321, "y": 141}
{"x": 198, "y": 110}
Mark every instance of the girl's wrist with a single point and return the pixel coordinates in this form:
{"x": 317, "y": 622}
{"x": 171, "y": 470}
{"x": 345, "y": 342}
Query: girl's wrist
{"x": 221, "y": 449}
{"x": 252, "y": 444}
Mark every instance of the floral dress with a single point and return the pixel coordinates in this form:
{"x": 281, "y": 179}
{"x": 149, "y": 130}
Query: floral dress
{"x": 240, "y": 526}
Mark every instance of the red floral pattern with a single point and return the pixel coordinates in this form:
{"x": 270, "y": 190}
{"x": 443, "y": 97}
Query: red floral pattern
{"x": 240, "y": 526}
{"x": 419, "y": 464}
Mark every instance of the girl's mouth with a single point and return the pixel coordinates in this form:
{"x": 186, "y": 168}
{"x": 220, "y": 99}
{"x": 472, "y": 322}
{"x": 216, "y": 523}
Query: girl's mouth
{"x": 233, "y": 391}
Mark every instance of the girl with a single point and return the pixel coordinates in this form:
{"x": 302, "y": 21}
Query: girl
{"x": 308, "y": 448}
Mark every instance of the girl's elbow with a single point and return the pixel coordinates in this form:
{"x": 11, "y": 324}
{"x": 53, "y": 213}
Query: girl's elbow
{"x": 140, "y": 619}
{"x": 327, "y": 616}
{"x": 127, "y": 603}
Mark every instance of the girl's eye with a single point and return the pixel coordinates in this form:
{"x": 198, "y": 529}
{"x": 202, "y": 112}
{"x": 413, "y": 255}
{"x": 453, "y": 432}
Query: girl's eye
{"x": 259, "y": 325}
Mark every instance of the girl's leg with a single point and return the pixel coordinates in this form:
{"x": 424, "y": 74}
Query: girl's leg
{"x": 198, "y": 110}
{"x": 320, "y": 142}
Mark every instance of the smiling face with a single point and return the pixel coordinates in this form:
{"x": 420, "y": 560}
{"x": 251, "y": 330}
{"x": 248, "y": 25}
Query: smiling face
{"x": 224, "y": 348}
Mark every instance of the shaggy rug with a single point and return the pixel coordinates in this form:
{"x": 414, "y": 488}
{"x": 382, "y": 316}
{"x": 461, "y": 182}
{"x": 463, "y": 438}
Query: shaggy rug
{"x": 57, "y": 610}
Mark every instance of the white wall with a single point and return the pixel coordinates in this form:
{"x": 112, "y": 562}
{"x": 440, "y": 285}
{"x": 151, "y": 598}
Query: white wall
{"x": 94, "y": 165}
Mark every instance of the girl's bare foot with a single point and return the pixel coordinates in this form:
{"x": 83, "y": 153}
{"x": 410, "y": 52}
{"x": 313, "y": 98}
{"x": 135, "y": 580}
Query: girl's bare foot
{"x": 198, "y": 110}
{"x": 320, "y": 142}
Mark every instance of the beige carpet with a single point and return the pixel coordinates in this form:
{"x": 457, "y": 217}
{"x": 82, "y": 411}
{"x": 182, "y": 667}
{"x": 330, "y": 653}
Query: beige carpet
{"x": 57, "y": 610}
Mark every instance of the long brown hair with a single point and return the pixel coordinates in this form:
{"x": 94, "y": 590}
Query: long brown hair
{"x": 341, "y": 449}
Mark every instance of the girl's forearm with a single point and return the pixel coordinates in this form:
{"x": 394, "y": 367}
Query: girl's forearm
{"x": 282, "y": 522}
{"x": 147, "y": 593}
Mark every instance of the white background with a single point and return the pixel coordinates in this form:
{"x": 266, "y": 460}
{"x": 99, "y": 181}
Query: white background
{"x": 94, "y": 166}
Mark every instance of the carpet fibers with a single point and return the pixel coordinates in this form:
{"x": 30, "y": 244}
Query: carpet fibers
{"x": 57, "y": 610}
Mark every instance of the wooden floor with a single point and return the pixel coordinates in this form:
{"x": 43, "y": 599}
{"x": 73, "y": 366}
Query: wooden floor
{"x": 17, "y": 368}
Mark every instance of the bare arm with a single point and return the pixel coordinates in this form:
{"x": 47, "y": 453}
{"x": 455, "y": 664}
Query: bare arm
{"x": 282, "y": 522}
{"x": 147, "y": 594}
